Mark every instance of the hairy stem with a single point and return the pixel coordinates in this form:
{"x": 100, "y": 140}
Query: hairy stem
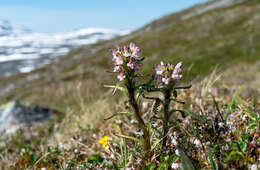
{"x": 133, "y": 103}
{"x": 167, "y": 96}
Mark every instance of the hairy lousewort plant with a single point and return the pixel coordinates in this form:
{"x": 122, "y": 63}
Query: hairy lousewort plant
{"x": 167, "y": 77}
{"x": 127, "y": 63}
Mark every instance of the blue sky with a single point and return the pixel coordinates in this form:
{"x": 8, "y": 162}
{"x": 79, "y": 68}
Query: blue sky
{"x": 51, "y": 16}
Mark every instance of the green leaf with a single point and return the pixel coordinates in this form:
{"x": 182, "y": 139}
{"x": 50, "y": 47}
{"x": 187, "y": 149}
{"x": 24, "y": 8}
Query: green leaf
{"x": 173, "y": 158}
{"x": 243, "y": 146}
{"x": 164, "y": 157}
{"x": 139, "y": 92}
{"x": 150, "y": 128}
{"x": 253, "y": 125}
{"x": 95, "y": 159}
{"x": 131, "y": 137}
{"x": 117, "y": 87}
{"x": 217, "y": 107}
{"x": 152, "y": 166}
{"x": 232, "y": 102}
{"x": 186, "y": 163}
{"x": 212, "y": 163}
{"x": 156, "y": 143}
{"x": 163, "y": 166}
{"x": 196, "y": 116}
{"x": 252, "y": 115}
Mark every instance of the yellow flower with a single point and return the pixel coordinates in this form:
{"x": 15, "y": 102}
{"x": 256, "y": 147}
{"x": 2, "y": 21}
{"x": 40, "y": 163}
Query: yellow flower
{"x": 103, "y": 141}
{"x": 118, "y": 128}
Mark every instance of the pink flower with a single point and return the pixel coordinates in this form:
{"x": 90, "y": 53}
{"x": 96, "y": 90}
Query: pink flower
{"x": 125, "y": 58}
{"x": 114, "y": 53}
{"x": 117, "y": 68}
{"x": 119, "y": 49}
{"x": 176, "y": 72}
{"x": 121, "y": 76}
{"x": 136, "y": 51}
{"x": 119, "y": 60}
{"x": 166, "y": 79}
{"x": 132, "y": 46}
{"x": 159, "y": 68}
{"x": 130, "y": 64}
{"x": 126, "y": 53}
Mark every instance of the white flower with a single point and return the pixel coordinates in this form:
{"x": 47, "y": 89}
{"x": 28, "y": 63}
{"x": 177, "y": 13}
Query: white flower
{"x": 174, "y": 141}
{"x": 22, "y": 150}
{"x": 197, "y": 143}
{"x": 177, "y": 152}
{"x": 253, "y": 167}
{"x": 221, "y": 124}
{"x": 175, "y": 165}
{"x": 112, "y": 156}
{"x": 43, "y": 168}
{"x": 60, "y": 145}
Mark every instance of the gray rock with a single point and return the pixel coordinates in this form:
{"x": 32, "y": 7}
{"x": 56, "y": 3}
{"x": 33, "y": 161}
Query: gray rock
{"x": 18, "y": 114}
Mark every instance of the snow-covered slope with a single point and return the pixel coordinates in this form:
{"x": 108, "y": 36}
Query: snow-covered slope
{"x": 22, "y": 50}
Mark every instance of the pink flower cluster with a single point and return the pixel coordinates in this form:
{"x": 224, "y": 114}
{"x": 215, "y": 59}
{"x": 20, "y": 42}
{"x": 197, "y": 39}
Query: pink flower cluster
{"x": 165, "y": 74}
{"x": 126, "y": 60}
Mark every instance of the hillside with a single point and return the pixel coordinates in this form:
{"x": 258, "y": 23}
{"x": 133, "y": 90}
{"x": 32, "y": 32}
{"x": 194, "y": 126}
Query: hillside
{"x": 221, "y": 36}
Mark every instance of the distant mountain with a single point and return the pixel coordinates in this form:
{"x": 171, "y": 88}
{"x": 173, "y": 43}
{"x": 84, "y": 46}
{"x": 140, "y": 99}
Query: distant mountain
{"x": 7, "y": 29}
{"x": 22, "y": 50}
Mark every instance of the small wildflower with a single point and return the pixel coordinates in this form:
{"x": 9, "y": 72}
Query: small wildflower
{"x": 174, "y": 141}
{"x": 245, "y": 117}
{"x": 175, "y": 165}
{"x": 197, "y": 143}
{"x": 22, "y": 150}
{"x": 221, "y": 124}
{"x": 118, "y": 128}
{"x": 166, "y": 80}
{"x": 177, "y": 152}
{"x": 112, "y": 156}
{"x": 103, "y": 141}
{"x": 130, "y": 64}
{"x": 159, "y": 68}
{"x": 253, "y": 167}
{"x": 176, "y": 72}
{"x": 94, "y": 135}
{"x": 165, "y": 74}
{"x": 121, "y": 76}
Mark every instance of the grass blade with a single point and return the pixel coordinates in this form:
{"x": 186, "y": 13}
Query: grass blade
{"x": 232, "y": 102}
{"x": 196, "y": 116}
{"x": 212, "y": 163}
